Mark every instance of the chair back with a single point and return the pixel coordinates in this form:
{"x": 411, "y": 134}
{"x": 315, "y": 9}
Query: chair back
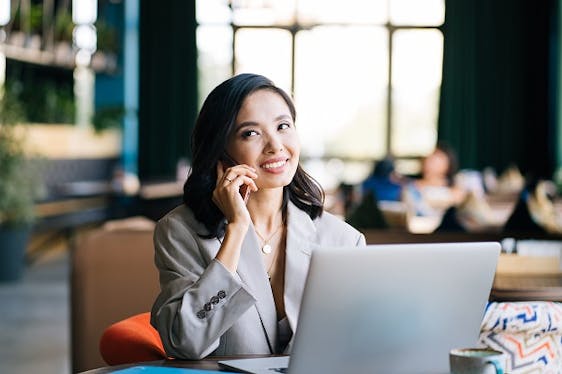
{"x": 112, "y": 277}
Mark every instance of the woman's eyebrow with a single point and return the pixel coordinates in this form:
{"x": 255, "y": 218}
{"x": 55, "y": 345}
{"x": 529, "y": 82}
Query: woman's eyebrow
{"x": 283, "y": 116}
{"x": 253, "y": 123}
{"x": 245, "y": 124}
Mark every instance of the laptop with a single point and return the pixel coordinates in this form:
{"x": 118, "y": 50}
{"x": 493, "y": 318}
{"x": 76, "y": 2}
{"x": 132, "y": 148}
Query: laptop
{"x": 396, "y": 308}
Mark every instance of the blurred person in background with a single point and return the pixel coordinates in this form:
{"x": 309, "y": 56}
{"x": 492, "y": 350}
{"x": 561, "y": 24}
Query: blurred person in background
{"x": 384, "y": 181}
{"x": 436, "y": 190}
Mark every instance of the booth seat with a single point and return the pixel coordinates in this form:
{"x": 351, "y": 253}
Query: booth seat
{"x": 112, "y": 278}
{"x": 529, "y": 332}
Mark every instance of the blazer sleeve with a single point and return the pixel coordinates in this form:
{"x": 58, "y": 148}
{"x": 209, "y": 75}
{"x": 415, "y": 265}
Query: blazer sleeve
{"x": 361, "y": 242}
{"x": 199, "y": 298}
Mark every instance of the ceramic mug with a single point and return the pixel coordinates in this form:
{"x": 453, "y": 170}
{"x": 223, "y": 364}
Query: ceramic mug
{"x": 476, "y": 361}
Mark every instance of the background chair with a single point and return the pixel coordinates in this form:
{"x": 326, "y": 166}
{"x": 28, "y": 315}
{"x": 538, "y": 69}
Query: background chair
{"x": 131, "y": 340}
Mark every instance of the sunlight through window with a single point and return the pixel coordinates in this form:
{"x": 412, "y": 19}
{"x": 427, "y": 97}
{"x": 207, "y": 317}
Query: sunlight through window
{"x": 365, "y": 74}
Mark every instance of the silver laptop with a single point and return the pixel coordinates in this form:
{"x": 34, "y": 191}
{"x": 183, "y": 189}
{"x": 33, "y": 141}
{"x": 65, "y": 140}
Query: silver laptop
{"x": 387, "y": 309}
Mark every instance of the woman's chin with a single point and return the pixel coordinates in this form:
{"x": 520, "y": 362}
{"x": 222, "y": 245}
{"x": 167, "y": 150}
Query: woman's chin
{"x": 275, "y": 184}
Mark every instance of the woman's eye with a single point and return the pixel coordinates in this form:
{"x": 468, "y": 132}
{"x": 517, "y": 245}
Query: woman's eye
{"x": 248, "y": 133}
{"x": 284, "y": 126}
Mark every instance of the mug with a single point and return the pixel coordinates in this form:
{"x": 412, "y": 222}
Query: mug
{"x": 476, "y": 361}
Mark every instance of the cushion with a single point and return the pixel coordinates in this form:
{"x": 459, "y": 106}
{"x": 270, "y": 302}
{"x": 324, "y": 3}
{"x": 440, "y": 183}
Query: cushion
{"x": 528, "y": 332}
{"x": 131, "y": 340}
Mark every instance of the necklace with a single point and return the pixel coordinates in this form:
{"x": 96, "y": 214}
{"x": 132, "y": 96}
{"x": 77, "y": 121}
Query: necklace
{"x": 266, "y": 249}
{"x": 272, "y": 265}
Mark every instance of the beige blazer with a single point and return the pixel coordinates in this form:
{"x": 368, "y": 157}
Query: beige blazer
{"x": 204, "y": 309}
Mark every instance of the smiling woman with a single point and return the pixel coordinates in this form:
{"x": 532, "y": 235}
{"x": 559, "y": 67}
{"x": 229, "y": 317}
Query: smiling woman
{"x": 233, "y": 259}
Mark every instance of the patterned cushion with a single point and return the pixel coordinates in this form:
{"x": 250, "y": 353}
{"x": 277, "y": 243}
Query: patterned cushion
{"x": 529, "y": 332}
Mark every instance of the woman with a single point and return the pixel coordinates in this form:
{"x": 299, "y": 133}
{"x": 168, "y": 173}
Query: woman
{"x": 233, "y": 259}
{"x": 436, "y": 191}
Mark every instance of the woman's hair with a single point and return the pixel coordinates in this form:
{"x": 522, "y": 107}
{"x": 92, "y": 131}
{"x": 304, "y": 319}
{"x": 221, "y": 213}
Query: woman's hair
{"x": 384, "y": 168}
{"x": 212, "y": 129}
{"x": 452, "y": 157}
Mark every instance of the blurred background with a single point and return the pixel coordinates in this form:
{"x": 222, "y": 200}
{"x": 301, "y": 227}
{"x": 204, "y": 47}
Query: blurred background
{"x": 98, "y": 99}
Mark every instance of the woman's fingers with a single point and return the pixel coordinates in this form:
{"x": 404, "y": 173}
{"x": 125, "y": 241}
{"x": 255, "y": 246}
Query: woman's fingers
{"x": 238, "y": 182}
{"x": 232, "y": 173}
{"x": 232, "y": 188}
{"x": 242, "y": 180}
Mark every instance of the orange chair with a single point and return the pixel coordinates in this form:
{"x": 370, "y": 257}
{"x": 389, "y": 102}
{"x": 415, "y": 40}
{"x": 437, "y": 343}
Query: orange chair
{"x": 131, "y": 340}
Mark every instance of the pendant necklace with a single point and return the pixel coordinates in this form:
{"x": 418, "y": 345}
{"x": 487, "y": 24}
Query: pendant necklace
{"x": 266, "y": 249}
{"x": 272, "y": 265}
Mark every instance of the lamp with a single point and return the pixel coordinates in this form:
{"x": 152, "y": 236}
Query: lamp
{"x": 84, "y": 38}
{"x": 84, "y": 11}
{"x": 4, "y": 12}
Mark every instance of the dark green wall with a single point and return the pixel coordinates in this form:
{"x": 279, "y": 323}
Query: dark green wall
{"x": 168, "y": 85}
{"x": 497, "y": 104}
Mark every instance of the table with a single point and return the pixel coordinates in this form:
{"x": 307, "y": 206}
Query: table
{"x": 527, "y": 287}
{"x": 209, "y": 363}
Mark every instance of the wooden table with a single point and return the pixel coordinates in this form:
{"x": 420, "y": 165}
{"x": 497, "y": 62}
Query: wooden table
{"x": 527, "y": 287}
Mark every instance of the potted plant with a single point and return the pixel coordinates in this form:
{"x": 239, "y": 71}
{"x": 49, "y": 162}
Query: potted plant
{"x": 17, "y": 193}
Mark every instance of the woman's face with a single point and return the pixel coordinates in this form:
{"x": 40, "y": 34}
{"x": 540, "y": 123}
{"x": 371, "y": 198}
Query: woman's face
{"x": 265, "y": 138}
{"x": 436, "y": 164}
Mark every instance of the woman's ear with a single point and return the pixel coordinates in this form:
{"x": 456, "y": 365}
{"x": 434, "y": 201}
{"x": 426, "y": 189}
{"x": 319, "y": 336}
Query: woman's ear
{"x": 220, "y": 170}
{"x": 227, "y": 161}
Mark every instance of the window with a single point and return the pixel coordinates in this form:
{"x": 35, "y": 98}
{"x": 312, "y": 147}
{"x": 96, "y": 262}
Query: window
{"x": 365, "y": 74}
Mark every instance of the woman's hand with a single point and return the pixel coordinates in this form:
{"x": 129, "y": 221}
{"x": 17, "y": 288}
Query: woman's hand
{"x": 229, "y": 200}
{"x": 227, "y": 195}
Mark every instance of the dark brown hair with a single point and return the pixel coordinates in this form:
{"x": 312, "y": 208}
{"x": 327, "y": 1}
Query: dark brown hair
{"x": 452, "y": 157}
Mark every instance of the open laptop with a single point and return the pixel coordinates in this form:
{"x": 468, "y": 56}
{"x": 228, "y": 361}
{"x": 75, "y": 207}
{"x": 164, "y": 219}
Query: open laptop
{"x": 387, "y": 309}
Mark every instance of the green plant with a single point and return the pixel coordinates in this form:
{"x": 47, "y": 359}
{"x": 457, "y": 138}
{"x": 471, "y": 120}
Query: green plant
{"x": 18, "y": 177}
{"x": 64, "y": 26}
{"x": 107, "y": 118}
{"x": 41, "y": 98}
{"x": 36, "y": 18}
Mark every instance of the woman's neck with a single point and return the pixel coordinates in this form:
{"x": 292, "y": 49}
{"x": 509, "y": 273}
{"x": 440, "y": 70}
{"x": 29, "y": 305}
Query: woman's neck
{"x": 433, "y": 180}
{"x": 265, "y": 208}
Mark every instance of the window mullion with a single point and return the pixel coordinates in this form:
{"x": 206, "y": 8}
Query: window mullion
{"x": 390, "y": 30}
{"x": 294, "y": 31}
{"x": 234, "y": 29}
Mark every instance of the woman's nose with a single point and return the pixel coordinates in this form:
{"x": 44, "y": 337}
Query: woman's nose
{"x": 274, "y": 144}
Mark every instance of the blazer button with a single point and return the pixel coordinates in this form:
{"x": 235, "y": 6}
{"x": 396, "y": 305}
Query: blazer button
{"x": 201, "y": 314}
{"x": 208, "y": 307}
{"x": 215, "y": 300}
{"x": 221, "y": 294}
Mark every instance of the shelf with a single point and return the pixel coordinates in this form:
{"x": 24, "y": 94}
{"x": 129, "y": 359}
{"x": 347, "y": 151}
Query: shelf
{"x": 61, "y": 56}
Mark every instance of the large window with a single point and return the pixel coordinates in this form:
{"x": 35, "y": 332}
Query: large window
{"x": 365, "y": 74}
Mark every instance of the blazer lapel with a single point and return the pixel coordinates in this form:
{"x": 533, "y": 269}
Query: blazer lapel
{"x": 300, "y": 243}
{"x": 252, "y": 272}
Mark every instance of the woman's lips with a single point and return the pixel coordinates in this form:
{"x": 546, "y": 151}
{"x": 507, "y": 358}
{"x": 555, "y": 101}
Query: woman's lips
{"x": 274, "y": 166}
